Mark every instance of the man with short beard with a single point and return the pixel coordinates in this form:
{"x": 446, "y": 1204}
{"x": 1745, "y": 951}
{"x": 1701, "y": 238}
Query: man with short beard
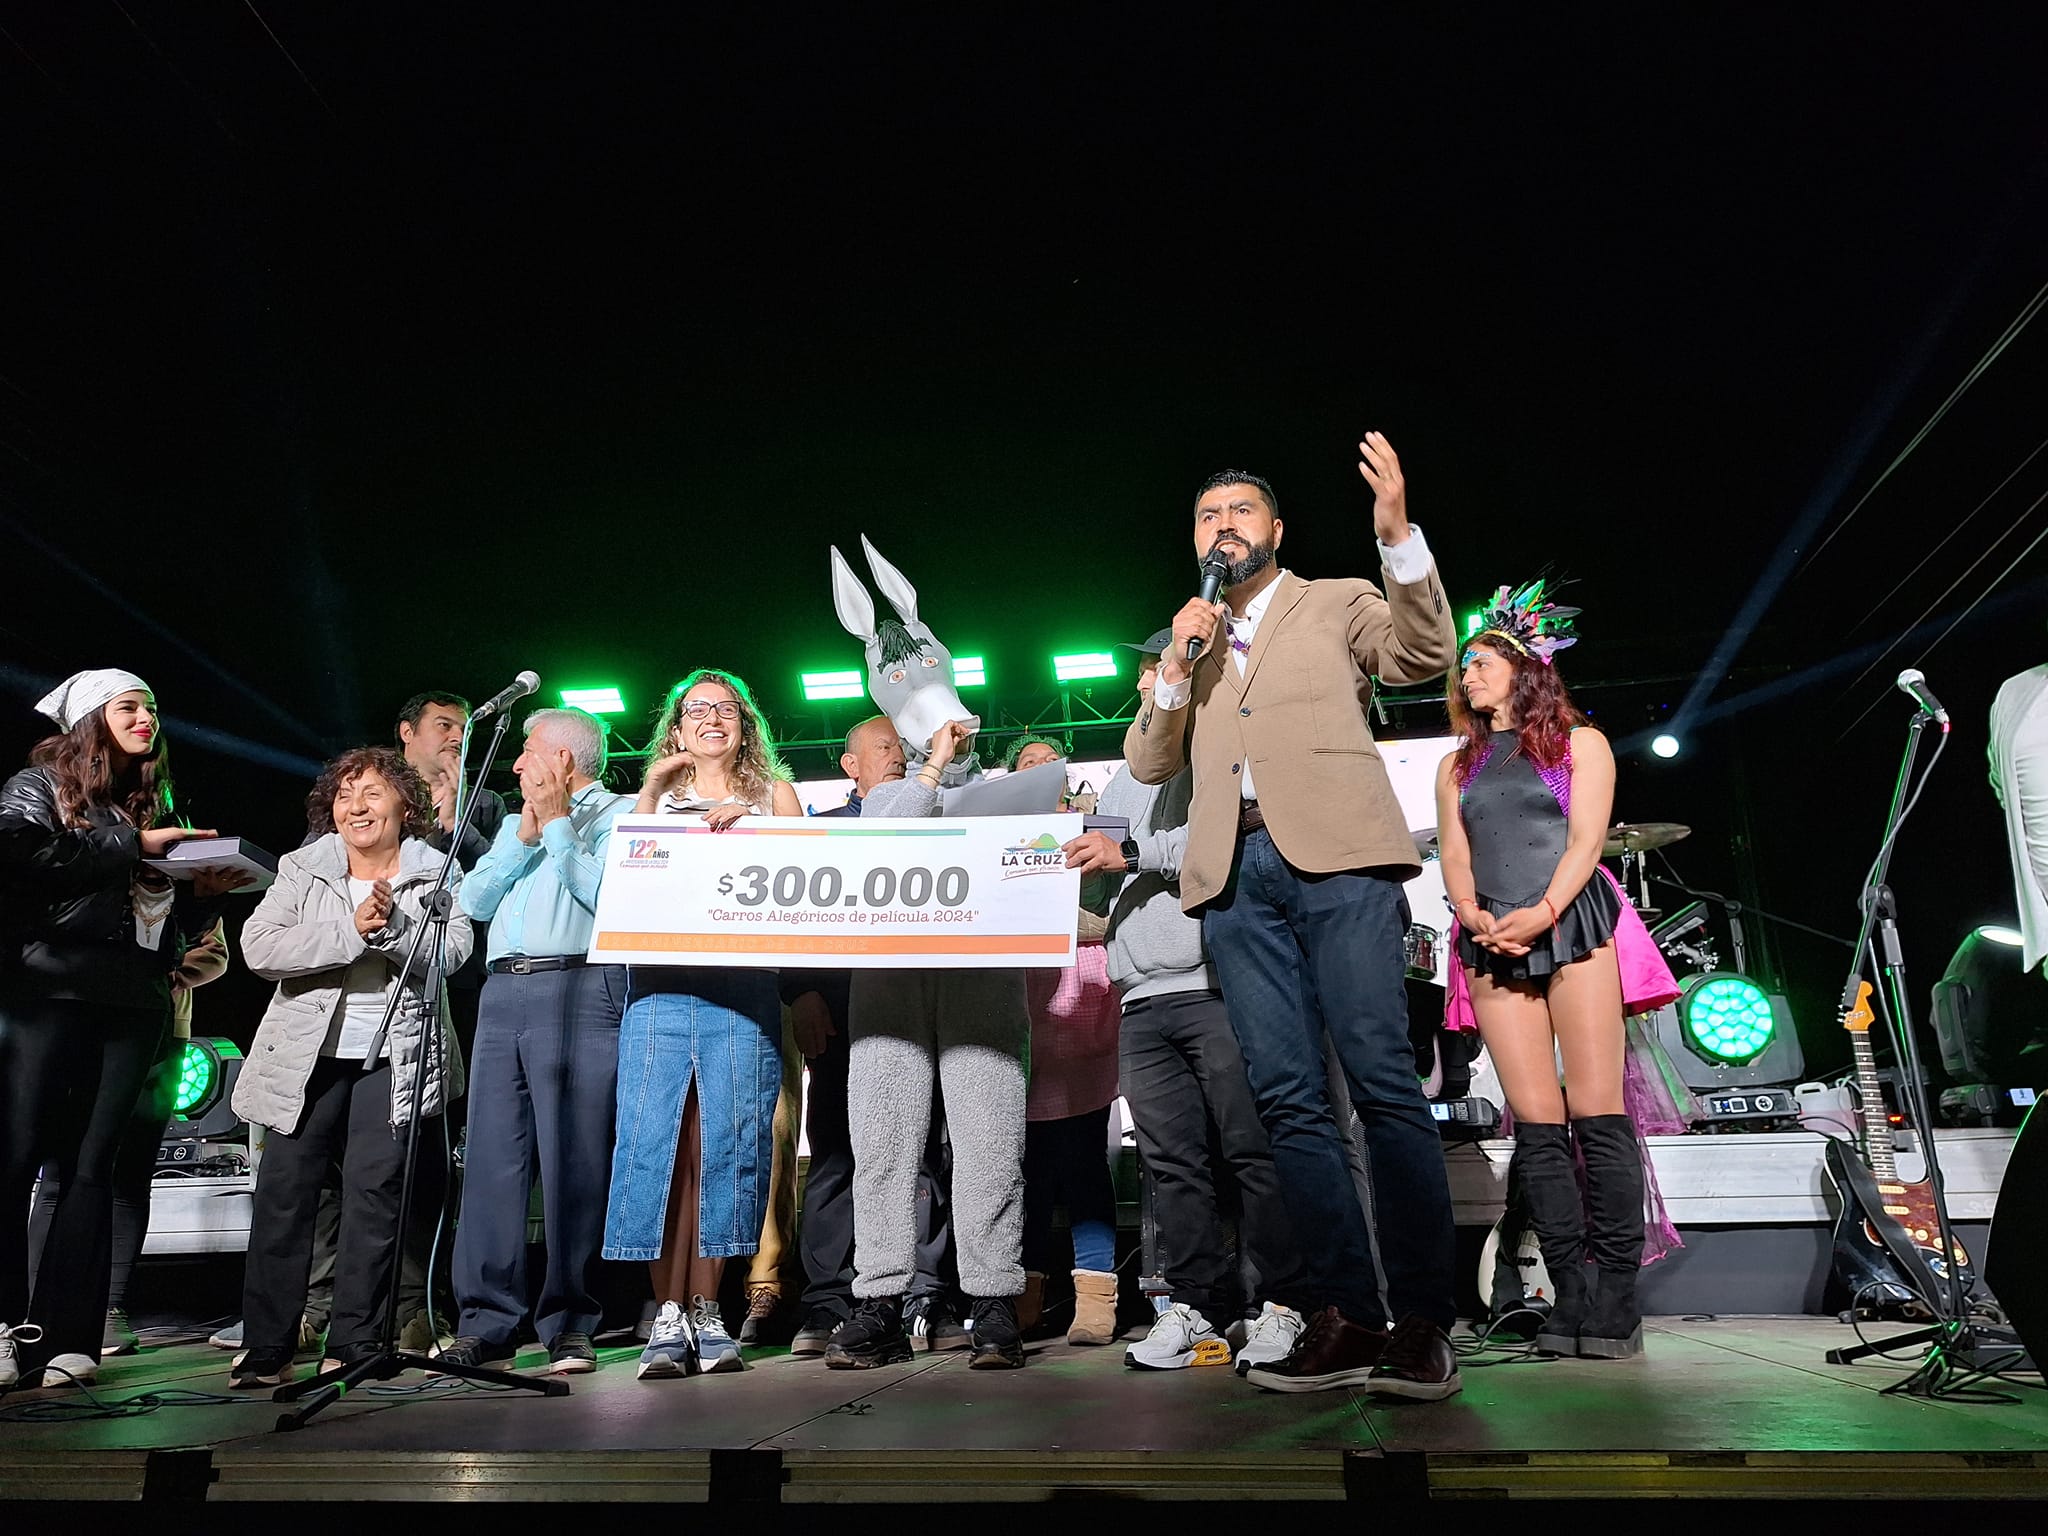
{"x": 1298, "y": 878}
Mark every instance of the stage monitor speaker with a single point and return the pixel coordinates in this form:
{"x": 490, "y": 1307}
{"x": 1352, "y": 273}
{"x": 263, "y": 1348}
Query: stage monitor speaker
{"x": 2016, "y": 1261}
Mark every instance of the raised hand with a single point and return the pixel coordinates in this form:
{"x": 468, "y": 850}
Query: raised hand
{"x": 947, "y": 743}
{"x": 547, "y": 790}
{"x": 1380, "y": 468}
{"x": 444, "y": 786}
{"x": 663, "y": 774}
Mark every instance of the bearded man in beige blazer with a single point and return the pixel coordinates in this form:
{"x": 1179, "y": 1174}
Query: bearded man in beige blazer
{"x": 1297, "y": 852}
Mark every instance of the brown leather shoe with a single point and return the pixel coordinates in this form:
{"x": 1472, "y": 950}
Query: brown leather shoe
{"x": 1418, "y": 1364}
{"x": 1332, "y": 1352}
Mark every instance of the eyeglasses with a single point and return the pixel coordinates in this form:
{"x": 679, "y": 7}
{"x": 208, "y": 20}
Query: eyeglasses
{"x": 725, "y": 709}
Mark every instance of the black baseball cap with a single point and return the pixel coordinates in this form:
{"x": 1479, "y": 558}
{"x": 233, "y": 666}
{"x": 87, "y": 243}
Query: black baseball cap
{"x": 1156, "y": 646}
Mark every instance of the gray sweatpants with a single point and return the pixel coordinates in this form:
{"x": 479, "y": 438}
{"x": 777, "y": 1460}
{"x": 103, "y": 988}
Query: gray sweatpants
{"x": 974, "y": 1028}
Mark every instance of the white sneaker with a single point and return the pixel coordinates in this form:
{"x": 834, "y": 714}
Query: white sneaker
{"x": 1271, "y": 1337}
{"x": 229, "y": 1337}
{"x": 716, "y": 1350}
{"x": 10, "y": 1357}
{"x": 1176, "y": 1342}
{"x": 71, "y": 1370}
{"x": 671, "y": 1350}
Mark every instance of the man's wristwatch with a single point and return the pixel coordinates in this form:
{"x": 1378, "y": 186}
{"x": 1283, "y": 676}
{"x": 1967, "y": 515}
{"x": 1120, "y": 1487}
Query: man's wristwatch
{"x": 1129, "y": 849}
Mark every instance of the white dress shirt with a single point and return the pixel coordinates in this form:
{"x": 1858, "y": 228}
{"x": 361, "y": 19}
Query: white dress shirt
{"x": 1406, "y": 562}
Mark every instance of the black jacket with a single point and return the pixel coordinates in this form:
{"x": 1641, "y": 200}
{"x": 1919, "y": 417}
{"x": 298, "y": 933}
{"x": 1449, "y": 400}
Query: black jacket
{"x": 67, "y": 921}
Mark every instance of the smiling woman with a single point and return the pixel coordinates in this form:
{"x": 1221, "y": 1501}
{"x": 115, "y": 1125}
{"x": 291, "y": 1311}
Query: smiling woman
{"x": 93, "y": 935}
{"x": 330, "y": 1072}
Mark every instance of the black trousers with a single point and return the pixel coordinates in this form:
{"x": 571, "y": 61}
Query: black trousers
{"x": 1197, "y": 1129}
{"x": 70, "y": 1076}
{"x": 825, "y": 1235}
{"x": 134, "y": 1169}
{"x": 543, "y": 1090}
{"x": 347, "y": 1119}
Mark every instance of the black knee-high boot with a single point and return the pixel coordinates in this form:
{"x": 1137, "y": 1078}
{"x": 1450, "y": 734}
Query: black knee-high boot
{"x": 1550, "y": 1187}
{"x": 1614, "y": 1195}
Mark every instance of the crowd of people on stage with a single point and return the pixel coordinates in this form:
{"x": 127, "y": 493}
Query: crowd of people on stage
{"x": 1239, "y": 982}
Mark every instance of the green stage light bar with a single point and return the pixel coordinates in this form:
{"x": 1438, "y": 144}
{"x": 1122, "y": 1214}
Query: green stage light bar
{"x": 969, "y": 672}
{"x": 1084, "y": 664}
{"x": 599, "y": 701}
{"x": 834, "y": 685}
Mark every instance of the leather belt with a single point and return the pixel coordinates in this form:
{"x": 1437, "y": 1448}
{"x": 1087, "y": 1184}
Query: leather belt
{"x": 526, "y": 965}
{"x": 1250, "y": 818}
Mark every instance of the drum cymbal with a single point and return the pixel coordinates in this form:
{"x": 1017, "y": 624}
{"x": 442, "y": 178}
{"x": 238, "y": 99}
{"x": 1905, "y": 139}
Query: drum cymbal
{"x": 1641, "y": 836}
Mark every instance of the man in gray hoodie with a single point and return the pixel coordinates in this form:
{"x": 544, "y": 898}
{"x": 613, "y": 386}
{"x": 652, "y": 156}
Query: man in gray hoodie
{"x": 1184, "y": 1080}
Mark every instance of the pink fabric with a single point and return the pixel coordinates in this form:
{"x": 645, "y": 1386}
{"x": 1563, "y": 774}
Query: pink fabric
{"x": 1646, "y": 981}
{"x": 1075, "y": 1017}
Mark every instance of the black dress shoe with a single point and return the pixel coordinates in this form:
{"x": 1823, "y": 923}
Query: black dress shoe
{"x": 998, "y": 1343}
{"x": 872, "y": 1337}
{"x": 1332, "y": 1352}
{"x": 1418, "y": 1364}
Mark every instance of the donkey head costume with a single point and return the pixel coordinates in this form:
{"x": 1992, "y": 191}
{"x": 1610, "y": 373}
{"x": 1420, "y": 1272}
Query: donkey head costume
{"x": 910, "y": 674}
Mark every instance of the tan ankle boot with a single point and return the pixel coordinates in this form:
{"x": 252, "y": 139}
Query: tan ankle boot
{"x": 1094, "y": 1308}
{"x": 1032, "y": 1303}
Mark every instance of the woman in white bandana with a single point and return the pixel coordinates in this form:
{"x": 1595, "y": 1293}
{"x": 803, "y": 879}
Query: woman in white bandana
{"x": 89, "y": 938}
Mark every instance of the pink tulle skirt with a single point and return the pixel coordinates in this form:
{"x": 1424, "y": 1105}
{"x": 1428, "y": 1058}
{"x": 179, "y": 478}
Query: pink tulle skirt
{"x": 1653, "y": 1094}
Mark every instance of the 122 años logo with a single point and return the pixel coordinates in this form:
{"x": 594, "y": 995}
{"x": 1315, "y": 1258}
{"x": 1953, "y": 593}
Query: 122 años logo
{"x": 644, "y": 853}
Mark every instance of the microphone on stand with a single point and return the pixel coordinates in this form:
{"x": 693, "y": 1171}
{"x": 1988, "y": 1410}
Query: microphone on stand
{"x": 519, "y": 688}
{"x": 1913, "y": 683}
{"x": 1215, "y": 567}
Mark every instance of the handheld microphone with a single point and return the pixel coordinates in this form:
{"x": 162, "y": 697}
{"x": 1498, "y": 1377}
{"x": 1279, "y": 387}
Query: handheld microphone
{"x": 1215, "y": 567}
{"x": 1913, "y": 682}
{"x": 504, "y": 698}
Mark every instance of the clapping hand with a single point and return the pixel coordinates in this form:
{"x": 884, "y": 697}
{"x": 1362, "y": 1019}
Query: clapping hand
{"x": 545, "y": 784}
{"x": 375, "y": 910}
{"x": 444, "y": 784}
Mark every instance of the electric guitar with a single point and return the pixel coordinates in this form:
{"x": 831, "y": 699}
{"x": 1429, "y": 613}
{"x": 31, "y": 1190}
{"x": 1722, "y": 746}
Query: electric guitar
{"x": 1887, "y": 1240}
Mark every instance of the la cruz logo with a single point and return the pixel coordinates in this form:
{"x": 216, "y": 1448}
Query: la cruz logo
{"x": 1040, "y": 856}
{"x": 644, "y": 853}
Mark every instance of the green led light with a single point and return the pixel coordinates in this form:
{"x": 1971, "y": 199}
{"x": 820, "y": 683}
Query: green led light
{"x": 1084, "y": 664}
{"x": 1728, "y": 1018}
{"x": 1472, "y": 622}
{"x": 195, "y": 1077}
{"x": 969, "y": 672}
{"x": 599, "y": 701}
{"x": 834, "y": 685}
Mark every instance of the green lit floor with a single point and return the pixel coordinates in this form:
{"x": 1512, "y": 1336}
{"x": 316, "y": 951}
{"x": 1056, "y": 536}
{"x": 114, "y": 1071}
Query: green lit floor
{"x": 1735, "y": 1406}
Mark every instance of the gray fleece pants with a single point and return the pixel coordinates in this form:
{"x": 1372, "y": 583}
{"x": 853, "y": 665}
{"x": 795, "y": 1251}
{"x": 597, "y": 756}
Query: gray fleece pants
{"x": 972, "y": 1026}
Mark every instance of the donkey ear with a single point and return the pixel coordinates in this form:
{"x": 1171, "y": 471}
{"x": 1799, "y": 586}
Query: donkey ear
{"x": 850, "y": 600}
{"x": 894, "y": 584}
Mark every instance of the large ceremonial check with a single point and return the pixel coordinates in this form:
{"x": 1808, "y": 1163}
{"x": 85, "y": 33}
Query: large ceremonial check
{"x": 978, "y": 892}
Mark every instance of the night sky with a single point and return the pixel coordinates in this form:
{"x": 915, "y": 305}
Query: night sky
{"x": 353, "y": 349}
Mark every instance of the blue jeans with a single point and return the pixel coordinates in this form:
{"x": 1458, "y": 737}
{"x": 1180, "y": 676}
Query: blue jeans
{"x": 1304, "y": 954}
{"x": 1066, "y": 1162}
{"x": 722, "y": 1030}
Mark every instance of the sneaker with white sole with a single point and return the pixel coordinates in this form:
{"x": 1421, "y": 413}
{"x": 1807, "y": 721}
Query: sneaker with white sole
{"x": 229, "y": 1337}
{"x": 1271, "y": 1336}
{"x": 1177, "y": 1340}
{"x": 10, "y": 1356}
{"x": 671, "y": 1348}
{"x": 71, "y": 1370}
{"x": 716, "y": 1351}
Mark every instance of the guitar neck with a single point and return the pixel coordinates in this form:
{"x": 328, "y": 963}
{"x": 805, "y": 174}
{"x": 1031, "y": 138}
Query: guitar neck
{"x": 1877, "y": 1129}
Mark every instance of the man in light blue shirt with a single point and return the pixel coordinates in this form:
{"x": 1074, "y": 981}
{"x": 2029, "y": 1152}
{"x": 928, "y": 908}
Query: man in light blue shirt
{"x": 544, "y": 1072}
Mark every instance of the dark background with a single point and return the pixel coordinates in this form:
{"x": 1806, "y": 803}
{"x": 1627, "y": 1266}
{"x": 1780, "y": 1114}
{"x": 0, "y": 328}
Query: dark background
{"x": 352, "y": 349}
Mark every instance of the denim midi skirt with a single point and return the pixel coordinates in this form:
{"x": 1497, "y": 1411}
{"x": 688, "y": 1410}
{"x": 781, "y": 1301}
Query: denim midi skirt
{"x": 722, "y": 1031}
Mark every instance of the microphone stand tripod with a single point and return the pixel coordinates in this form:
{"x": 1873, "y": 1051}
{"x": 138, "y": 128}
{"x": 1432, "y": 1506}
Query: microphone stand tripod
{"x": 323, "y": 1391}
{"x": 1955, "y": 1343}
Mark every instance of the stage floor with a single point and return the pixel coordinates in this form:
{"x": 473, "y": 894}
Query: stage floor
{"x": 1731, "y": 1407}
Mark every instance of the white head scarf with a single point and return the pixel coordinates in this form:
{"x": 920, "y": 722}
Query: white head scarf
{"x": 80, "y": 694}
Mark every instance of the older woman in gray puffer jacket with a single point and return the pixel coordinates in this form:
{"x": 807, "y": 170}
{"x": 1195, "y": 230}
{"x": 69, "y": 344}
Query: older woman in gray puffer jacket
{"x": 322, "y": 1074}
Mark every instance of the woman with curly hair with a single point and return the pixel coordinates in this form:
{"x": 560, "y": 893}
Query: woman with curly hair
{"x": 323, "y": 1074}
{"x": 92, "y": 937}
{"x": 1551, "y": 956}
{"x": 700, "y": 1053}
